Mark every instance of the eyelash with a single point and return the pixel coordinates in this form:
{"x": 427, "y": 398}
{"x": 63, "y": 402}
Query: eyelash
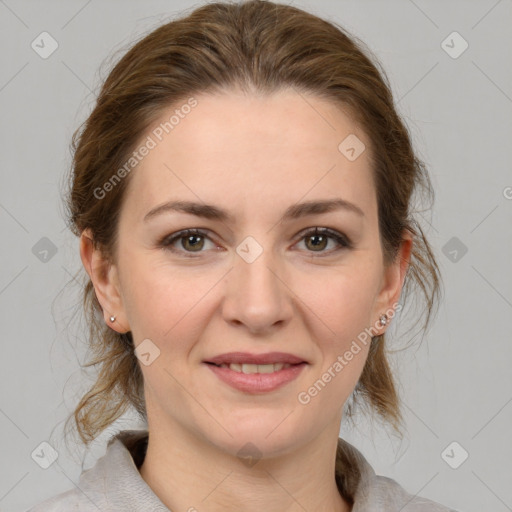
{"x": 167, "y": 241}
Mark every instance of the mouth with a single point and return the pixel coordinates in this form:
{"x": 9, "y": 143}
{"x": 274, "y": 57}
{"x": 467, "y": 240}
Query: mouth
{"x": 249, "y": 369}
{"x": 256, "y": 373}
{"x": 256, "y": 378}
{"x": 249, "y": 359}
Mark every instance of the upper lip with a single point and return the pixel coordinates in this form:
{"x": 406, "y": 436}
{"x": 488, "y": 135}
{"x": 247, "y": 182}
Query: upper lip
{"x": 247, "y": 358}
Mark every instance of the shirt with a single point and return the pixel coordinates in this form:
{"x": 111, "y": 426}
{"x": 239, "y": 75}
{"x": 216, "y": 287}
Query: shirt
{"x": 115, "y": 484}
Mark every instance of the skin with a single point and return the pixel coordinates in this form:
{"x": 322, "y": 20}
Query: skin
{"x": 255, "y": 156}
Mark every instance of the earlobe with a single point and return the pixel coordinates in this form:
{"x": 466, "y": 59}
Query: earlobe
{"x": 105, "y": 281}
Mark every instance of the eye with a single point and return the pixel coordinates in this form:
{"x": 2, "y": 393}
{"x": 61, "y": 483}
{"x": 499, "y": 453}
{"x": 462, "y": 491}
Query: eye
{"x": 317, "y": 240}
{"x": 192, "y": 240}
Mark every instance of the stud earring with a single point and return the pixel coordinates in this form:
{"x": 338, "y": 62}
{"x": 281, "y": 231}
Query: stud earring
{"x": 383, "y": 320}
{"x": 112, "y": 318}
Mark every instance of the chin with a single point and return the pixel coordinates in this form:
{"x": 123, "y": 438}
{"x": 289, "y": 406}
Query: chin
{"x": 268, "y": 435}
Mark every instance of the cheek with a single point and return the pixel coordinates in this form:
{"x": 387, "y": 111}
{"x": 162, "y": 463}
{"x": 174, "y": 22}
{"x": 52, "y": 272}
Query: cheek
{"x": 341, "y": 302}
{"x": 340, "y": 311}
{"x": 161, "y": 302}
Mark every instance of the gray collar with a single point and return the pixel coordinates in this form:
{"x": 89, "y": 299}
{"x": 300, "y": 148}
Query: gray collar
{"x": 114, "y": 483}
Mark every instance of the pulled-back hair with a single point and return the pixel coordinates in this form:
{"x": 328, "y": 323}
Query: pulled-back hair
{"x": 256, "y": 46}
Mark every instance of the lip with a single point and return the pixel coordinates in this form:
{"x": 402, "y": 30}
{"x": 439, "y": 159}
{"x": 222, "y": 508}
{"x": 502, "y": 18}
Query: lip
{"x": 257, "y": 382}
{"x": 247, "y": 358}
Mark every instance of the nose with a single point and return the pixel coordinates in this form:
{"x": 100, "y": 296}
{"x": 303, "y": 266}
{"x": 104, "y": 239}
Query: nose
{"x": 257, "y": 294}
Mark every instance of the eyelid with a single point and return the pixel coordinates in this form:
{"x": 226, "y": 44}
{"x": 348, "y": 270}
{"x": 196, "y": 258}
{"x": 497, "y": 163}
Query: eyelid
{"x": 340, "y": 238}
{"x": 167, "y": 241}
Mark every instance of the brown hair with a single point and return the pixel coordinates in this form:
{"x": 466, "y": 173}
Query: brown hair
{"x": 257, "y": 46}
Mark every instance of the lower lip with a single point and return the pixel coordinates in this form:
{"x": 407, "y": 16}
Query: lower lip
{"x": 257, "y": 382}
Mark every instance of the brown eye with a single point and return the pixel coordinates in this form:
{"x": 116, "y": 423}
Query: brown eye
{"x": 190, "y": 243}
{"x": 318, "y": 242}
{"x": 317, "y": 239}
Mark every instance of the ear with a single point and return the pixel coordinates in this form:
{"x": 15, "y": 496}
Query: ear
{"x": 105, "y": 279}
{"x": 393, "y": 281}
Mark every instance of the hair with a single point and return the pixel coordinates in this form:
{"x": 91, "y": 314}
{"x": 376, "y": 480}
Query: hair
{"x": 259, "y": 47}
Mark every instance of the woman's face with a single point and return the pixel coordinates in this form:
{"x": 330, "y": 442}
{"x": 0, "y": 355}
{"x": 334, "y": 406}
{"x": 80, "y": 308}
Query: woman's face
{"x": 258, "y": 280}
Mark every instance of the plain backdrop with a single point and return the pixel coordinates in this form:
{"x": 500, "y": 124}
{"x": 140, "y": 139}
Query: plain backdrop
{"x": 457, "y": 101}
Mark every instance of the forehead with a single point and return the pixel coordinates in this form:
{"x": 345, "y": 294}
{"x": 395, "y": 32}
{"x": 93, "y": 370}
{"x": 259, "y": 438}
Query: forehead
{"x": 232, "y": 148}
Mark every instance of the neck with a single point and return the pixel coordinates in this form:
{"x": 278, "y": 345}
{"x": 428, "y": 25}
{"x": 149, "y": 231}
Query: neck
{"x": 189, "y": 473}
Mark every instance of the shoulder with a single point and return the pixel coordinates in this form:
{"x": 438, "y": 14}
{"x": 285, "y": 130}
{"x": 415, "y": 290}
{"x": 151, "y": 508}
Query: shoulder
{"x": 112, "y": 483}
{"x": 64, "y": 502}
{"x": 390, "y": 495}
{"x": 377, "y": 493}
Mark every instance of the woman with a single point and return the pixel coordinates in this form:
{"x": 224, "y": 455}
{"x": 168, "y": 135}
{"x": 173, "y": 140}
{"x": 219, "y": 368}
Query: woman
{"x": 242, "y": 192}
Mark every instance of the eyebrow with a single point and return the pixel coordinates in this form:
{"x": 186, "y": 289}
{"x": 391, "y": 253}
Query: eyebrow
{"x": 212, "y": 212}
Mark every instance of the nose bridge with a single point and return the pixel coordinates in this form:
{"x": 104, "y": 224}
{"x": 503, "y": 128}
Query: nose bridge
{"x": 256, "y": 295}
{"x": 253, "y": 265}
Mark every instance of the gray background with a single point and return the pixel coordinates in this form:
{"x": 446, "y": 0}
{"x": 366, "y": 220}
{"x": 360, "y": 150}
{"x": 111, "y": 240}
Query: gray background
{"x": 457, "y": 386}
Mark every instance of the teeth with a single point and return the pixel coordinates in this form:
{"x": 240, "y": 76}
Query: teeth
{"x": 255, "y": 368}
